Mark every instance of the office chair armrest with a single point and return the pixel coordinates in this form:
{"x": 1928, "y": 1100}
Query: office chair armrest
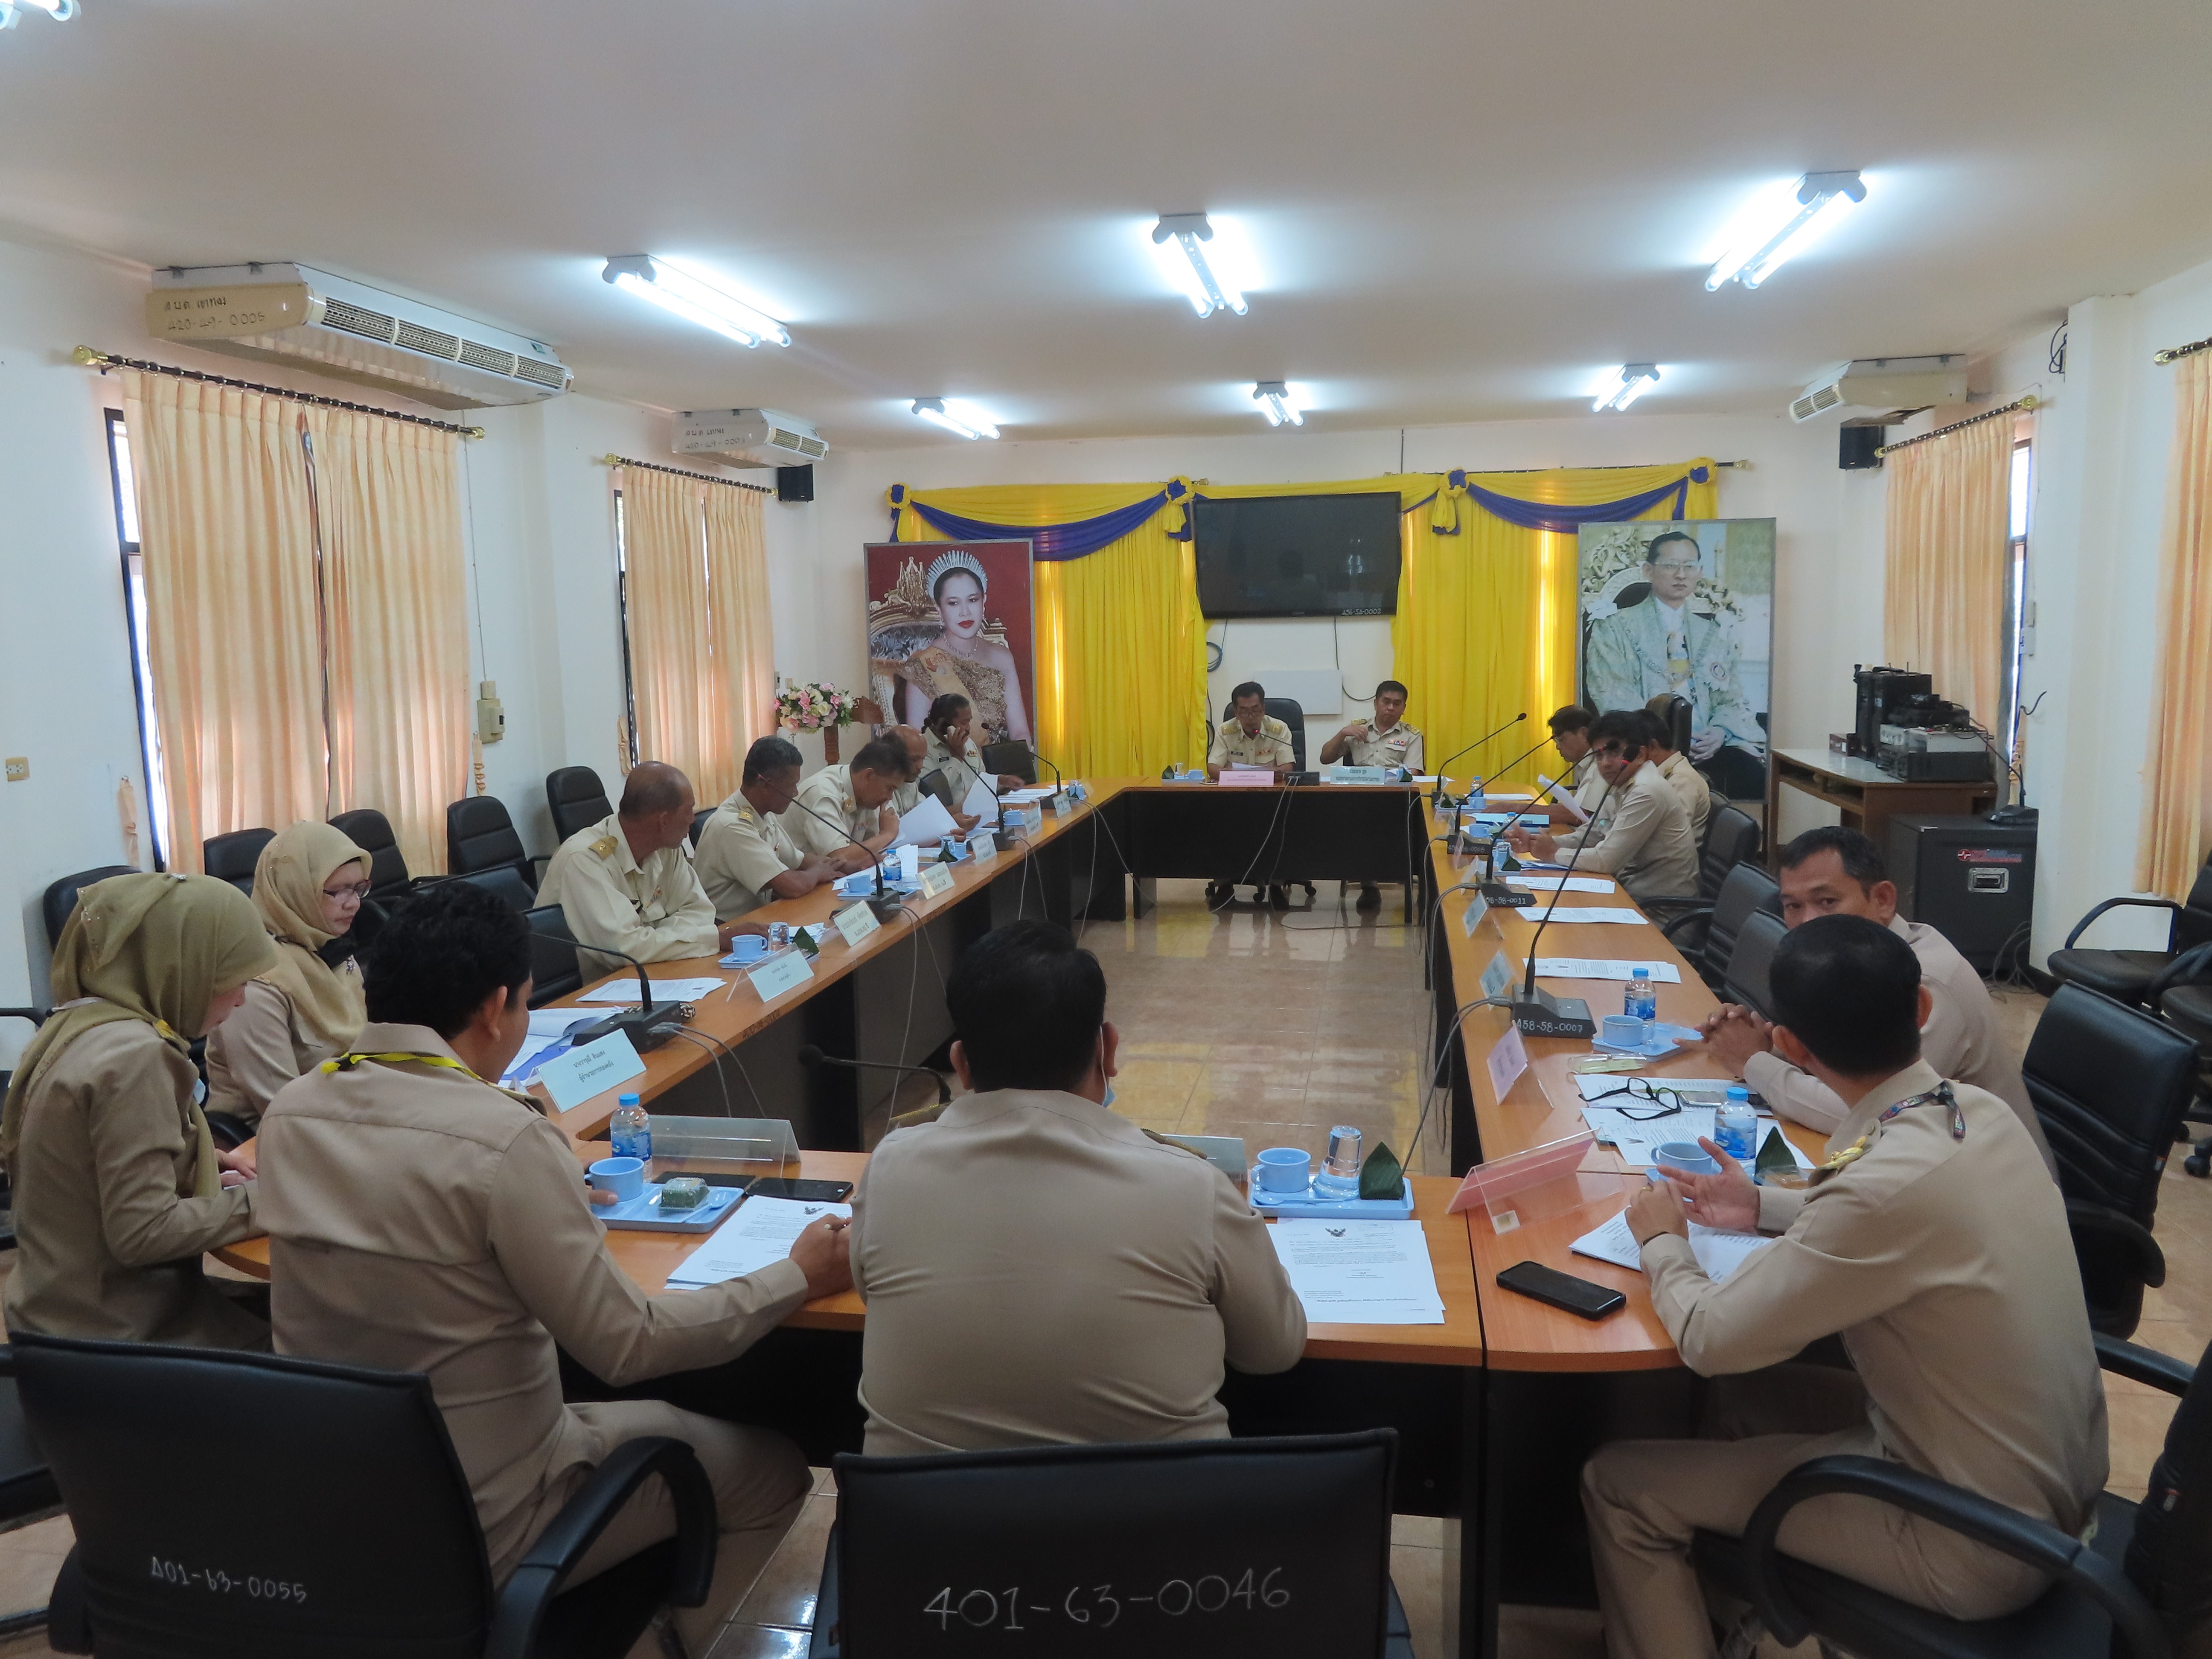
{"x": 1704, "y": 912}
{"x": 2082, "y": 926}
{"x": 230, "y": 1132}
{"x": 36, "y": 1016}
{"x": 1673, "y": 902}
{"x": 2006, "y": 1530}
{"x": 2147, "y": 1366}
{"x": 2103, "y": 1221}
{"x": 2187, "y": 968}
{"x": 522, "y": 1605}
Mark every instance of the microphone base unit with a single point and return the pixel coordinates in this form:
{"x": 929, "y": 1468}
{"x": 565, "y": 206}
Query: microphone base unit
{"x": 1539, "y": 1013}
{"x": 1498, "y": 897}
{"x": 637, "y": 1023}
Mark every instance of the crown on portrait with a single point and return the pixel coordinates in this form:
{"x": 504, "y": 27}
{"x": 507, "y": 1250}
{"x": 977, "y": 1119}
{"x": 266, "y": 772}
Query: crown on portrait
{"x": 951, "y": 562}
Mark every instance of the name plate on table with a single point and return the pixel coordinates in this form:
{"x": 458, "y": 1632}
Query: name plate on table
{"x": 1498, "y": 977}
{"x": 574, "y": 1078}
{"x": 1360, "y": 774}
{"x": 983, "y": 846}
{"x": 1246, "y": 776}
{"x": 780, "y": 974}
{"x": 856, "y": 922}
{"x": 936, "y": 878}
{"x": 1062, "y": 802}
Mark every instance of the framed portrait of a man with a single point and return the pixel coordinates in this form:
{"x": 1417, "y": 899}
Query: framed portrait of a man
{"x": 952, "y": 617}
{"x": 1685, "y": 609}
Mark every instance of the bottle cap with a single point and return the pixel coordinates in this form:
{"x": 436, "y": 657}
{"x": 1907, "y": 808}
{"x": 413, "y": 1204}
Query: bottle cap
{"x": 625, "y": 1100}
{"x": 1738, "y": 1092}
{"x": 1642, "y": 973}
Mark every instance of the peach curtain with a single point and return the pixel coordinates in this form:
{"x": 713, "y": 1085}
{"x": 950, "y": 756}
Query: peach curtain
{"x": 740, "y": 632}
{"x": 227, "y": 528}
{"x": 395, "y": 597}
{"x": 2176, "y": 816}
{"x": 1948, "y": 528}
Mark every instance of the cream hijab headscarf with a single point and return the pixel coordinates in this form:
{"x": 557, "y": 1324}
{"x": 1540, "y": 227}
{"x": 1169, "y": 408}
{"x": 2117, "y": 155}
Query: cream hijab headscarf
{"x": 288, "y": 891}
{"x": 157, "y": 948}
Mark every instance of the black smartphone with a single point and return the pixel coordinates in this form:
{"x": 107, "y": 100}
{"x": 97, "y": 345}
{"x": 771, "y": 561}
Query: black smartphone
{"x": 808, "y": 1192}
{"x": 1547, "y": 1285}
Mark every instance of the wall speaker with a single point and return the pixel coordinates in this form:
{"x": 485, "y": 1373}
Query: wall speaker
{"x": 1855, "y": 448}
{"x": 796, "y": 483}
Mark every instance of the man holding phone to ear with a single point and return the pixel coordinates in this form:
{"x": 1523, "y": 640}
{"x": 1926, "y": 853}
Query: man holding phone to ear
{"x": 1934, "y": 1245}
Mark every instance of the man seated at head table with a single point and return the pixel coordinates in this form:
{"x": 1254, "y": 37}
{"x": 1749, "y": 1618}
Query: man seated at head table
{"x": 625, "y": 882}
{"x": 746, "y": 857}
{"x": 1039, "y": 1270}
{"x": 1386, "y": 740}
{"x": 1839, "y": 872}
{"x": 422, "y": 1219}
{"x": 951, "y": 743}
{"x": 1639, "y": 833}
{"x": 1935, "y": 1246}
{"x": 841, "y": 804}
{"x": 1250, "y": 739}
{"x": 908, "y": 795}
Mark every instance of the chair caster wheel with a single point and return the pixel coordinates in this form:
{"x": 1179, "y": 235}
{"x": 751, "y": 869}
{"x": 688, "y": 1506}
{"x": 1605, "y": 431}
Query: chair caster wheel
{"x": 2198, "y": 1164}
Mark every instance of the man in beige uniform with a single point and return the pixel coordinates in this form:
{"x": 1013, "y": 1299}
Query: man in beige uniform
{"x": 423, "y": 1220}
{"x": 1839, "y": 872}
{"x": 1251, "y": 736}
{"x": 746, "y": 858}
{"x": 1582, "y": 782}
{"x": 1386, "y": 740}
{"x": 1675, "y": 770}
{"x": 855, "y": 797}
{"x": 1037, "y": 1269}
{"x": 1936, "y": 1247}
{"x": 908, "y": 795}
{"x": 627, "y": 882}
{"x": 1640, "y": 836}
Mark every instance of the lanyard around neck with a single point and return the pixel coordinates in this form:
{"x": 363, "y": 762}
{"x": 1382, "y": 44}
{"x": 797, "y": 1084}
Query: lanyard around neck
{"x": 1941, "y": 1095}
{"x": 348, "y": 1062}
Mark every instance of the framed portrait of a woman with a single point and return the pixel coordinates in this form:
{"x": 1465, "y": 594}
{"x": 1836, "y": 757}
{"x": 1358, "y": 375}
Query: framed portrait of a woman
{"x": 952, "y": 617}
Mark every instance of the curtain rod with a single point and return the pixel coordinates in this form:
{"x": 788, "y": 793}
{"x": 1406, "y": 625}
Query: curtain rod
{"x": 1625, "y": 466}
{"x": 104, "y": 360}
{"x": 1972, "y": 420}
{"x": 677, "y": 472}
{"x": 2174, "y": 353}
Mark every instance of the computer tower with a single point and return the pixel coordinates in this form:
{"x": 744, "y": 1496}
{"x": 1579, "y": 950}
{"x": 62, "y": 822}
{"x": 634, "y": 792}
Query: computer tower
{"x": 1971, "y": 880}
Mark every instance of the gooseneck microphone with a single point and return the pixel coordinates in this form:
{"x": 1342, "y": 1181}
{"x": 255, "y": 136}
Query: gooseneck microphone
{"x": 998, "y": 829}
{"x": 1436, "y": 791}
{"x": 811, "y": 1055}
{"x": 884, "y": 903}
{"x": 1535, "y": 1011}
{"x": 638, "y": 1026}
{"x": 1059, "y": 782}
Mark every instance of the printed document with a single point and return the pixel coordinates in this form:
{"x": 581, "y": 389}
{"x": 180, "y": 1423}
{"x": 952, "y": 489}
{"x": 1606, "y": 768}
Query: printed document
{"x": 1718, "y": 1252}
{"x": 1604, "y": 913}
{"x": 982, "y": 801}
{"x": 664, "y": 990}
{"x": 1662, "y": 973}
{"x": 928, "y": 822}
{"x": 1573, "y": 806}
{"x": 1360, "y": 1272}
{"x": 761, "y": 1232}
{"x": 1554, "y": 884}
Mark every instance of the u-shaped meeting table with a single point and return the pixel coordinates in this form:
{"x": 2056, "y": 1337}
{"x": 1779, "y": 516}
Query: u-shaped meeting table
{"x": 1497, "y": 1406}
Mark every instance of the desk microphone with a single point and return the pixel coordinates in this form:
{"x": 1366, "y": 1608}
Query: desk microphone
{"x": 1060, "y": 783}
{"x": 885, "y": 904}
{"x": 1537, "y": 1012}
{"x": 639, "y": 1027}
{"x": 1454, "y": 845}
{"x": 998, "y": 829}
{"x": 811, "y": 1055}
{"x": 1437, "y": 792}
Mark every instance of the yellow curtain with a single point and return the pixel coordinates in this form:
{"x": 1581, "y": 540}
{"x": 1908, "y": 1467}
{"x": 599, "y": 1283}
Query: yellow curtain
{"x": 680, "y": 717}
{"x": 1486, "y": 625}
{"x": 233, "y": 640}
{"x": 2176, "y": 816}
{"x": 1948, "y": 525}
{"x": 1119, "y": 644}
{"x": 397, "y": 599}
{"x": 740, "y": 633}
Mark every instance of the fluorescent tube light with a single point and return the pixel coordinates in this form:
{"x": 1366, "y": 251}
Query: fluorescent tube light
{"x": 1279, "y": 404}
{"x": 693, "y": 295}
{"x": 1758, "y": 250}
{"x": 960, "y": 418}
{"x": 1210, "y": 284}
{"x": 1630, "y": 381}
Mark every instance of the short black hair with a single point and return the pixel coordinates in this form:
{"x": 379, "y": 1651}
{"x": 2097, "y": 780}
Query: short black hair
{"x": 943, "y": 709}
{"x": 1027, "y": 1003}
{"x": 1394, "y": 685}
{"x": 770, "y": 755}
{"x": 1623, "y": 725}
{"x": 1573, "y": 718}
{"x": 881, "y": 755}
{"x": 1862, "y": 859}
{"x": 1849, "y": 989}
{"x": 1657, "y": 733}
{"x": 440, "y": 954}
{"x": 1250, "y": 689}
{"x": 1651, "y": 548}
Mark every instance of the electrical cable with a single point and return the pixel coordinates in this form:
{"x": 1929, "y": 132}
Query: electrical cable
{"x": 669, "y": 1028}
{"x": 1245, "y": 880}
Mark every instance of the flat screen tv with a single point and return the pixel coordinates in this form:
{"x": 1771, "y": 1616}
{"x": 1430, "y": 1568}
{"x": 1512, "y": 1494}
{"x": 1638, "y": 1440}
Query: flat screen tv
{"x": 1298, "y": 555}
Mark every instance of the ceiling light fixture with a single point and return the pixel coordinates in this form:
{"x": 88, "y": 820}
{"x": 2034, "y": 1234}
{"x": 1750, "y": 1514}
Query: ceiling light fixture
{"x": 60, "y": 11}
{"x": 693, "y": 295}
{"x": 1631, "y": 381}
{"x": 1821, "y": 199}
{"x": 1278, "y": 403}
{"x": 1210, "y": 285}
{"x": 960, "y": 418}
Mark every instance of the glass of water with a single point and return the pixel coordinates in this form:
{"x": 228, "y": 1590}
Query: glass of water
{"x": 1340, "y": 1174}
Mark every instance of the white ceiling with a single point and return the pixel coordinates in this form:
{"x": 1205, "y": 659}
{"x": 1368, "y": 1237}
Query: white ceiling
{"x": 1462, "y": 212}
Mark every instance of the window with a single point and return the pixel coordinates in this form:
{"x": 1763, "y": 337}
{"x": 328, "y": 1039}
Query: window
{"x": 124, "y": 489}
{"x": 621, "y": 619}
{"x": 2017, "y": 626}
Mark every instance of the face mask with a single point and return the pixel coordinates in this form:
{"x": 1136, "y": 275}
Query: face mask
{"x": 1108, "y": 1101}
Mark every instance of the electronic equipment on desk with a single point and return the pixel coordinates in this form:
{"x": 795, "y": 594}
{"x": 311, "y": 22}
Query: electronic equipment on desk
{"x": 1880, "y": 690}
{"x": 1946, "y": 753}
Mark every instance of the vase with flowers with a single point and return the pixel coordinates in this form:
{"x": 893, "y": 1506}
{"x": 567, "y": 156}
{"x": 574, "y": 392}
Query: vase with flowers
{"x": 815, "y": 706}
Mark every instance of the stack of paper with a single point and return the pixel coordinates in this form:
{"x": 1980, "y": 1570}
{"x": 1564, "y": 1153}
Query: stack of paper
{"x": 1718, "y": 1252}
{"x": 549, "y": 1035}
{"x": 1661, "y": 973}
{"x": 1629, "y": 1126}
{"x": 928, "y": 822}
{"x": 1360, "y": 1272}
{"x": 760, "y": 1233}
{"x": 664, "y": 990}
{"x": 1582, "y": 913}
{"x": 1551, "y": 884}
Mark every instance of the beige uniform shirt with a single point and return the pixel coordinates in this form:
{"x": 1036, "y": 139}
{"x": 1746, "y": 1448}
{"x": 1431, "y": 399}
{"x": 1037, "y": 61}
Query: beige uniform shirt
{"x": 423, "y": 1221}
{"x": 1038, "y": 1271}
{"x": 1232, "y": 746}
{"x": 1959, "y": 1041}
{"x": 655, "y": 911}
{"x": 1644, "y": 840}
{"x": 1400, "y": 746}
{"x": 107, "y": 1238}
{"x": 939, "y": 753}
{"x": 260, "y": 1048}
{"x": 741, "y": 850}
{"x": 1947, "y": 1268}
{"x": 830, "y": 793}
{"x": 1690, "y": 788}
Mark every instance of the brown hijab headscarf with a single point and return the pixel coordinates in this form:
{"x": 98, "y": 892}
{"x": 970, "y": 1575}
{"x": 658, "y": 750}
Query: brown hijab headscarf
{"x": 157, "y": 948}
{"x": 288, "y": 891}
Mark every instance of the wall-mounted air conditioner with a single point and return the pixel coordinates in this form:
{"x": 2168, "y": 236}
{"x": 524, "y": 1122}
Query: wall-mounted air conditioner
{"x": 749, "y": 437}
{"x": 307, "y": 318}
{"x": 1883, "y": 391}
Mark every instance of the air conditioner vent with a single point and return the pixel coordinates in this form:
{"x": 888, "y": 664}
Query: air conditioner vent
{"x": 810, "y": 447}
{"x": 533, "y": 368}
{"x": 358, "y": 320}
{"x": 430, "y": 341}
{"x": 1806, "y": 408}
{"x": 749, "y": 437}
{"x": 483, "y": 356}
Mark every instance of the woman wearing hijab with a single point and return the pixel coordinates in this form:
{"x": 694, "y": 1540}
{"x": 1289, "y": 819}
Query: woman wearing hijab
{"x": 308, "y": 885}
{"x": 118, "y": 1186}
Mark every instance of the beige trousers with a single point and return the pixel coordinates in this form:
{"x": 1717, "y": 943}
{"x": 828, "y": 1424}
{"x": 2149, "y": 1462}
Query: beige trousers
{"x": 759, "y": 1480}
{"x": 1644, "y": 1499}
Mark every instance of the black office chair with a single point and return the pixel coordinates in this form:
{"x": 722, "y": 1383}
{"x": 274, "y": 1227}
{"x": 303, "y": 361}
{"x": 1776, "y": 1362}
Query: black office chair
{"x": 2136, "y": 1591}
{"x": 1744, "y": 979}
{"x": 232, "y": 857}
{"x": 699, "y": 824}
{"x": 479, "y": 836}
{"x": 371, "y": 831}
{"x": 2183, "y": 997}
{"x": 941, "y": 787}
{"x": 1732, "y": 837}
{"x": 1292, "y": 715}
{"x": 2127, "y": 974}
{"x": 27, "y": 1494}
{"x": 36, "y": 1017}
{"x": 1263, "y": 1547}
{"x": 1707, "y": 935}
{"x": 578, "y": 799}
{"x": 1011, "y": 759}
{"x": 1680, "y": 714}
{"x": 504, "y": 882}
{"x": 61, "y": 895}
{"x": 353, "y": 1492}
{"x": 555, "y": 970}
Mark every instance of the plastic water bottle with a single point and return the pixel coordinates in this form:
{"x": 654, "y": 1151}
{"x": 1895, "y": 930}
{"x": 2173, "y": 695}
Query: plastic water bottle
{"x": 1477, "y": 802}
{"x": 632, "y": 1129}
{"x": 1736, "y": 1127}
{"x": 1639, "y": 1001}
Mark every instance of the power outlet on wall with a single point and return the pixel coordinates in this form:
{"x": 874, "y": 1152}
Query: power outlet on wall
{"x": 19, "y": 769}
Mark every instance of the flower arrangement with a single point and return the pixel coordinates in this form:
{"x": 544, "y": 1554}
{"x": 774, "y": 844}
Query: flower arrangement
{"x": 811, "y": 707}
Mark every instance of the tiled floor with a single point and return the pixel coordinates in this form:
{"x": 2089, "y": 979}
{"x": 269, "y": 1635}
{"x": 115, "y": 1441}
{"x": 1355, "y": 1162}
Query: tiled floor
{"x": 1274, "y": 1027}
